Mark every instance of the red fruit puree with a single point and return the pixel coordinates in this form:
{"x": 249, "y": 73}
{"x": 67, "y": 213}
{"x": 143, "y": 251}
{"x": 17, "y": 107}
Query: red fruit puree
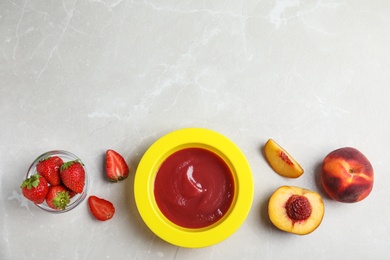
{"x": 194, "y": 188}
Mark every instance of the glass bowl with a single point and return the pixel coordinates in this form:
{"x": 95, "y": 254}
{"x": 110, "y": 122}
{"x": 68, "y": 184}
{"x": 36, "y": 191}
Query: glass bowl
{"x": 144, "y": 187}
{"x": 66, "y": 157}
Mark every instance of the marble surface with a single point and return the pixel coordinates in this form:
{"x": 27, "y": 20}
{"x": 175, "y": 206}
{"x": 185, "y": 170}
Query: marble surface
{"x": 85, "y": 76}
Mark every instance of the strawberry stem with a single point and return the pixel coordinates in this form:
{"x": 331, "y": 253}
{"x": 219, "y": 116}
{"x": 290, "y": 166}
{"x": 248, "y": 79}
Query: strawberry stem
{"x": 31, "y": 182}
{"x": 66, "y": 165}
{"x": 44, "y": 159}
{"x": 61, "y": 200}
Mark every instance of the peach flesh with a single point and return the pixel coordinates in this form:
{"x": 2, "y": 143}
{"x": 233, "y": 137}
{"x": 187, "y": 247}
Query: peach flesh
{"x": 280, "y": 161}
{"x": 296, "y": 210}
{"x": 285, "y": 158}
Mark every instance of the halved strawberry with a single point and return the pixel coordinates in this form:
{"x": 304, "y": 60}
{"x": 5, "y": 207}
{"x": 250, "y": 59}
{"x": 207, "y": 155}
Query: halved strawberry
{"x": 58, "y": 197}
{"x": 73, "y": 175}
{"x": 116, "y": 167}
{"x": 100, "y": 208}
{"x": 35, "y": 188}
{"x": 49, "y": 168}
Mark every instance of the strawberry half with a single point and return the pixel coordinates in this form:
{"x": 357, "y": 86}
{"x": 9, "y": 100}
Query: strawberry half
{"x": 57, "y": 197}
{"x": 73, "y": 175}
{"x": 35, "y": 188}
{"x": 116, "y": 167}
{"x": 49, "y": 168}
{"x": 100, "y": 208}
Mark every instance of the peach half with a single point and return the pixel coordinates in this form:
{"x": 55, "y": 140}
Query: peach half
{"x": 296, "y": 210}
{"x": 280, "y": 161}
{"x": 347, "y": 175}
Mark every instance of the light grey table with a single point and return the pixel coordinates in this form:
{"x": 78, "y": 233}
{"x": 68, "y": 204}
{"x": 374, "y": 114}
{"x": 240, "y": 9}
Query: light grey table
{"x": 86, "y": 76}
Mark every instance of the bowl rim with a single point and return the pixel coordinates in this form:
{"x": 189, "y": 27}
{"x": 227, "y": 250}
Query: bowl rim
{"x": 193, "y": 138}
{"x": 79, "y": 198}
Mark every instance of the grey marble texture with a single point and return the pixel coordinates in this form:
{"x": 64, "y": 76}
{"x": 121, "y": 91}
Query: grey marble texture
{"x": 86, "y": 76}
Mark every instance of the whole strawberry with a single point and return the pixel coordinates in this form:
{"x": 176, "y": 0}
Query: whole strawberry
{"x": 35, "y": 188}
{"x": 71, "y": 193}
{"x": 73, "y": 175}
{"x": 49, "y": 168}
{"x": 57, "y": 197}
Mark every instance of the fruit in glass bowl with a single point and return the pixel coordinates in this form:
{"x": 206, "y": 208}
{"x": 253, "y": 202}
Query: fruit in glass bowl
{"x": 57, "y": 168}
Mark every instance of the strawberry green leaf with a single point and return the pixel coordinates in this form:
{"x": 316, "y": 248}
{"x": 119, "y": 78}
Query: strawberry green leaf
{"x": 66, "y": 165}
{"x": 31, "y": 182}
{"x": 61, "y": 200}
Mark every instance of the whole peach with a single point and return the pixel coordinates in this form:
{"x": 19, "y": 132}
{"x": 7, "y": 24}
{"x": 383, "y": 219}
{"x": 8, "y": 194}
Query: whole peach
{"x": 347, "y": 175}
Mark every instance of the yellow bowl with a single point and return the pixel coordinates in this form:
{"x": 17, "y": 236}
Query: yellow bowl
{"x": 147, "y": 171}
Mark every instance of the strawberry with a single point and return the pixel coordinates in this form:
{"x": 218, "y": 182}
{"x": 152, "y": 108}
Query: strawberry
{"x": 35, "y": 188}
{"x": 116, "y": 167}
{"x": 100, "y": 208}
{"x": 57, "y": 197}
{"x": 73, "y": 175}
{"x": 71, "y": 193}
{"x": 49, "y": 168}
